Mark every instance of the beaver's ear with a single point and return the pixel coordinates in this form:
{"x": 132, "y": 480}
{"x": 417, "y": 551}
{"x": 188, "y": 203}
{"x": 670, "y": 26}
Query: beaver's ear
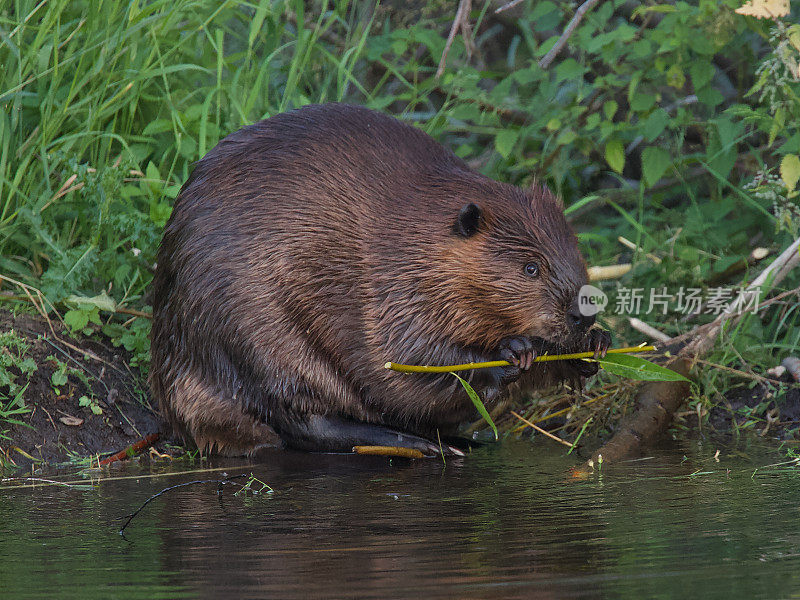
{"x": 468, "y": 221}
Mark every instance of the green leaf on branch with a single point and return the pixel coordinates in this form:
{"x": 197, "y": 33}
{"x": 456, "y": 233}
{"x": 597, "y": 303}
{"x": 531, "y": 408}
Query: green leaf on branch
{"x": 793, "y": 35}
{"x": 473, "y": 395}
{"x": 655, "y": 162}
{"x": 656, "y": 8}
{"x": 633, "y": 367}
{"x": 655, "y": 124}
{"x": 610, "y": 109}
{"x": 102, "y": 301}
{"x": 790, "y": 171}
{"x": 504, "y": 141}
{"x": 615, "y": 155}
{"x": 76, "y": 319}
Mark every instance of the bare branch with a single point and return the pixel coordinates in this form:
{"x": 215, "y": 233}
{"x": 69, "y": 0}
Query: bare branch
{"x": 573, "y": 24}
{"x": 460, "y": 22}
{"x": 648, "y": 330}
{"x": 508, "y": 5}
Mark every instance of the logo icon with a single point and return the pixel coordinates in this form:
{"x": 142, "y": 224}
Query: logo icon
{"x": 591, "y": 300}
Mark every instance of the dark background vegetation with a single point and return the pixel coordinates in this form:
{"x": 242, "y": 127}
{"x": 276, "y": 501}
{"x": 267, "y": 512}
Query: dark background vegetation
{"x": 666, "y": 123}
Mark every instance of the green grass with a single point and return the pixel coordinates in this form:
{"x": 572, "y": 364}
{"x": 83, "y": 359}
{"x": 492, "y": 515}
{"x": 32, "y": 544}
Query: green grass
{"x": 657, "y": 126}
{"x": 16, "y": 370}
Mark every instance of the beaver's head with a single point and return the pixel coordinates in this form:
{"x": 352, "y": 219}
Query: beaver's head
{"x": 521, "y": 270}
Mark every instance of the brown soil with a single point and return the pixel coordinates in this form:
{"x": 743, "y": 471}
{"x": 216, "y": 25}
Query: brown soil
{"x": 47, "y": 434}
{"x": 775, "y": 416}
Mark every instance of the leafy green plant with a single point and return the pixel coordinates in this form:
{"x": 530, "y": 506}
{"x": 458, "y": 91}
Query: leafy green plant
{"x": 91, "y": 404}
{"x": 16, "y": 370}
{"x": 60, "y": 379}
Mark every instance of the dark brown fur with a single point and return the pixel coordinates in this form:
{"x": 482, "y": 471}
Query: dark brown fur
{"x": 308, "y": 249}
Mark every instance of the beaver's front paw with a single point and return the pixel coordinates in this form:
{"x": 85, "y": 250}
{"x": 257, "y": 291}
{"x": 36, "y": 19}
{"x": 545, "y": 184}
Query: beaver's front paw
{"x": 597, "y": 341}
{"x": 519, "y": 351}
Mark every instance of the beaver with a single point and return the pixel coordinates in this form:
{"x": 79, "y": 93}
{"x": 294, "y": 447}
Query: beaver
{"x": 306, "y": 250}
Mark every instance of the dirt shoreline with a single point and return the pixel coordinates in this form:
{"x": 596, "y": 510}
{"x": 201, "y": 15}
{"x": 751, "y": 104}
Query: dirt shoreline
{"x": 56, "y": 428}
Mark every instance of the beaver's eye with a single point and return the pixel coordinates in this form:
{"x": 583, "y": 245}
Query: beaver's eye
{"x": 532, "y": 269}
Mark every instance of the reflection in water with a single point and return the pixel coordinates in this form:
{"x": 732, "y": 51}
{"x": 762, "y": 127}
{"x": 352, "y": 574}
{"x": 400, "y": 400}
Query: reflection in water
{"x": 506, "y": 522}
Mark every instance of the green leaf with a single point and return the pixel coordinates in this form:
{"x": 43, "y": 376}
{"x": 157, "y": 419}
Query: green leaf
{"x": 58, "y": 378}
{"x": 478, "y": 404}
{"x": 102, "y": 301}
{"x": 701, "y": 73}
{"x": 676, "y": 77}
{"x": 84, "y": 401}
{"x": 655, "y": 124}
{"x": 710, "y": 97}
{"x": 28, "y": 365}
{"x": 566, "y": 137}
{"x": 504, "y": 141}
{"x": 255, "y": 24}
{"x": 760, "y": 83}
{"x": 96, "y": 409}
{"x": 610, "y": 109}
{"x": 633, "y": 367}
{"x": 657, "y": 8}
{"x": 654, "y": 162}
{"x": 157, "y": 126}
{"x": 778, "y": 121}
{"x": 553, "y": 124}
{"x": 94, "y": 316}
{"x": 642, "y": 102}
{"x": 793, "y": 34}
{"x": 153, "y": 179}
{"x": 615, "y": 155}
{"x": 76, "y": 319}
{"x": 702, "y": 44}
{"x": 727, "y": 132}
{"x": 544, "y": 15}
{"x": 790, "y": 171}
{"x": 160, "y": 213}
{"x": 570, "y": 69}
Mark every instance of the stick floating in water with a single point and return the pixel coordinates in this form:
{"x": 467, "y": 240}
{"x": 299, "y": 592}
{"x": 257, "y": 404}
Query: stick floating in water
{"x": 504, "y": 363}
{"x": 388, "y": 451}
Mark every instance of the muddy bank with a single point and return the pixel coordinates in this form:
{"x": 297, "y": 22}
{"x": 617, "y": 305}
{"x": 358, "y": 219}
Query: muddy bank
{"x": 81, "y": 399}
{"x": 760, "y": 410}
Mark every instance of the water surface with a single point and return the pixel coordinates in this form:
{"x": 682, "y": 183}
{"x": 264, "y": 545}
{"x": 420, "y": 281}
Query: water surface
{"x": 506, "y": 522}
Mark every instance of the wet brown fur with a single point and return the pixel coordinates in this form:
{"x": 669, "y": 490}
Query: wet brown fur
{"x": 308, "y": 249}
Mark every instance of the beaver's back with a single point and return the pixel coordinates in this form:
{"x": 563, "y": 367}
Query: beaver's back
{"x": 287, "y": 213}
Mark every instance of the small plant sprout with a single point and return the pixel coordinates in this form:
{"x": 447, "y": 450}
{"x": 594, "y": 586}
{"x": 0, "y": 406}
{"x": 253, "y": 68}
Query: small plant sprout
{"x": 254, "y": 486}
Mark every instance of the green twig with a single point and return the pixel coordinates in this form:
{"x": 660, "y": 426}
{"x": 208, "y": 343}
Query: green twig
{"x": 504, "y": 363}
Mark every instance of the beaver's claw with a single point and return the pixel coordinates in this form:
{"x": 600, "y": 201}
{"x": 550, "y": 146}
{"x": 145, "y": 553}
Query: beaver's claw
{"x": 519, "y": 351}
{"x": 597, "y": 341}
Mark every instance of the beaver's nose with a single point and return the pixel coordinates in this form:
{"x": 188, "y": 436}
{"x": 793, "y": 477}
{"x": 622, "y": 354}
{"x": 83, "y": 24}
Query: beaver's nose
{"x": 576, "y": 319}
